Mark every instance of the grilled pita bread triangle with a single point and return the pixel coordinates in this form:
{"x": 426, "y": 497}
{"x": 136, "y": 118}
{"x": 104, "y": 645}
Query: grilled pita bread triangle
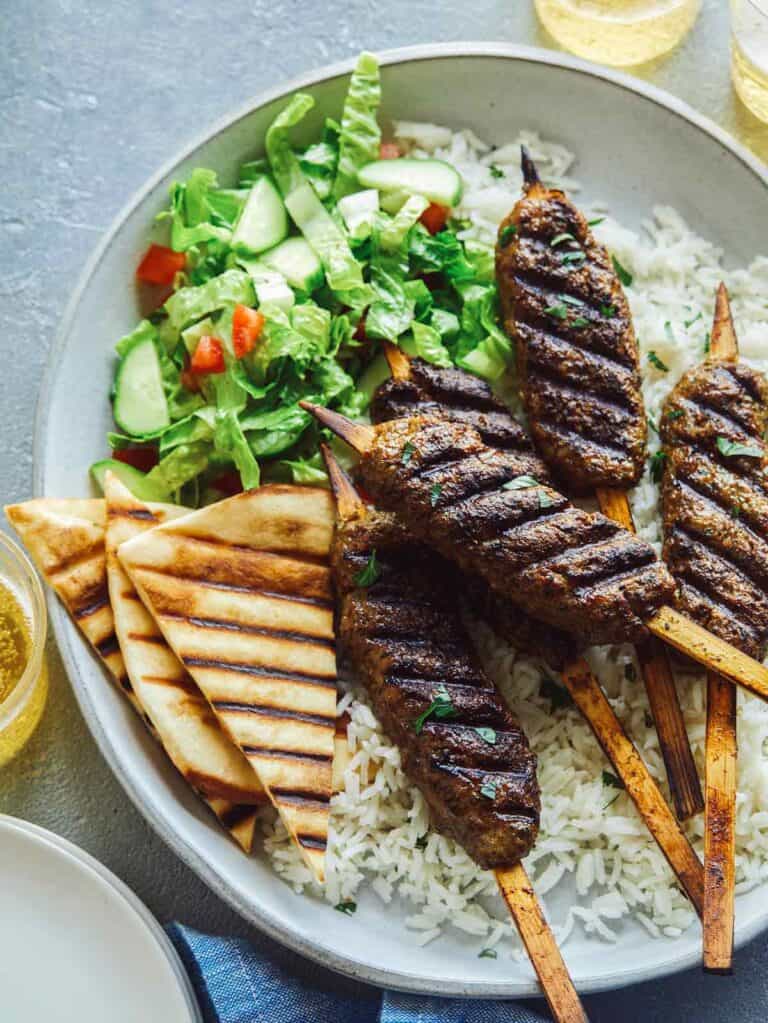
{"x": 65, "y": 539}
{"x": 242, "y": 593}
{"x": 184, "y": 722}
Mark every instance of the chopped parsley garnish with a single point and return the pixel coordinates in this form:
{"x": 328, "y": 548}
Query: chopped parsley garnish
{"x": 622, "y": 273}
{"x": 520, "y": 483}
{"x": 558, "y": 311}
{"x": 595, "y": 222}
{"x": 507, "y": 235}
{"x": 496, "y": 171}
{"x": 346, "y": 907}
{"x": 630, "y": 672}
{"x": 580, "y": 321}
{"x": 658, "y": 463}
{"x": 488, "y": 734}
{"x": 608, "y": 311}
{"x": 368, "y": 575}
{"x": 488, "y": 790}
{"x": 571, "y": 300}
{"x": 690, "y": 323}
{"x": 488, "y": 953}
{"x": 652, "y": 425}
{"x": 545, "y": 501}
{"x": 441, "y": 707}
{"x": 421, "y": 841}
{"x": 707, "y": 342}
{"x": 407, "y": 455}
{"x": 732, "y": 449}
{"x": 611, "y": 781}
{"x": 735, "y": 511}
{"x": 573, "y": 258}
{"x": 610, "y": 802}
{"x": 558, "y": 696}
{"x": 434, "y": 493}
{"x": 561, "y": 239}
{"x": 668, "y": 330}
{"x": 674, "y": 414}
{"x": 657, "y": 362}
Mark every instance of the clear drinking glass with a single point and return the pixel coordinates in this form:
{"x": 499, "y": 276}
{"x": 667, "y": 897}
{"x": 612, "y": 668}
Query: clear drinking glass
{"x": 22, "y": 709}
{"x": 618, "y": 32}
{"x": 749, "y": 54}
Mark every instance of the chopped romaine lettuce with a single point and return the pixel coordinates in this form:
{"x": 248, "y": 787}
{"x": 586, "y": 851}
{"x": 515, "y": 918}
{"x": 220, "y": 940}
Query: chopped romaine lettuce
{"x": 360, "y": 133}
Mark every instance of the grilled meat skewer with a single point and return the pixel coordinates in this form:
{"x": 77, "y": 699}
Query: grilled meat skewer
{"x": 715, "y": 500}
{"x": 416, "y": 387}
{"x": 459, "y": 742}
{"x": 479, "y": 780}
{"x": 479, "y": 507}
{"x": 577, "y": 356}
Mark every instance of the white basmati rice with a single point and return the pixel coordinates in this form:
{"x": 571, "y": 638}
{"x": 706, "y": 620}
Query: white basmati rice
{"x": 380, "y": 834}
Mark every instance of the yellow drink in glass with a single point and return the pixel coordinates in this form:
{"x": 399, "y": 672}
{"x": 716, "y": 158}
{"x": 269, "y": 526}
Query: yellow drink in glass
{"x": 618, "y": 32}
{"x": 749, "y": 54}
{"x": 23, "y": 671}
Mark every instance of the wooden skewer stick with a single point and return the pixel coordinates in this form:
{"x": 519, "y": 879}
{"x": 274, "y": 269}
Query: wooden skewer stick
{"x": 668, "y": 624}
{"x": 645, "y": 793}
{"x": 720, "y": 757}
{"x": 514, "y": 883}
{"x": 659, "y": 682}
{"x": 545, "y": 956}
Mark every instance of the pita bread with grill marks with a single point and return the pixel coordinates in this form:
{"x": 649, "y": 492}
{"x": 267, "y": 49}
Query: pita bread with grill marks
{"x": 66, "y": 540}
{"x": 242, "y": 593}
{"x": 185, "y": 724}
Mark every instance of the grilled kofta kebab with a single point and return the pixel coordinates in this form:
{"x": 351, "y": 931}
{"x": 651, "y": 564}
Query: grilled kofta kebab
{"x": 399, "y": 626}
{"x": 419, "y": 388}
{"x": 715, "y": 499}
{"x": 477, "y": 506}
{"x": 577, "y": 356}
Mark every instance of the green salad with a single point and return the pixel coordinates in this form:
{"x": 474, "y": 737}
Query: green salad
{"x": 283, "y": 288}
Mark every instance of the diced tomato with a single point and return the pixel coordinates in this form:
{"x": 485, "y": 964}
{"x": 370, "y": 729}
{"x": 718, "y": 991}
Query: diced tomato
{"x": 434, "y": 217}
{"x": 208, "y": 356}
{"x": 247, "y": 325}
{"x": 160, "y": 265}
{"x": 142, "y": 459}
{"x": 229, "y": 483}
{"x": 389, "y": 151}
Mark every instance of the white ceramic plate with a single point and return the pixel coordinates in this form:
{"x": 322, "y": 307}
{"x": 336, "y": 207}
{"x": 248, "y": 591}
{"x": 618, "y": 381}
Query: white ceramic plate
{"x": 76, "y": 945}
{"x": 637, "y": 147}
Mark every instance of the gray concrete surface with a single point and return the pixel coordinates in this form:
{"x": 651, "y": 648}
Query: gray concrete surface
{"x": 93, "y": 97}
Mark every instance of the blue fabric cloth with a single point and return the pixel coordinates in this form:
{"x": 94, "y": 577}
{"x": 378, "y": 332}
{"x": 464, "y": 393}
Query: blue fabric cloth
{"x": 238, "y": 982}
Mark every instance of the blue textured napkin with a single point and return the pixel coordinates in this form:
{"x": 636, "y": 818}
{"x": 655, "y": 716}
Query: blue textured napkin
{"x": 237, "y": 982}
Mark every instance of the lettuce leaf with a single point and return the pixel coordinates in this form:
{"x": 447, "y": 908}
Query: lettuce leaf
{"x": 391, "y": 312}
{"x": 360, "y": 134}
{"x": 193, "y": 303}
{"x": 319, "y": 161}
{"x": 307, "y": 471}
{"x": 180, "y": 465}
{"x": 394, "y": 233}
{"x": 483, "y": 348}
{"x": 229, "y": 440}
{"x": 426, "y": 344}
{"x": 194, "y": 214}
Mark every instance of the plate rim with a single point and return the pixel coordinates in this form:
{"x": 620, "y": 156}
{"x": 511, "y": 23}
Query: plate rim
{"x": 63, "y": 629}
{"x": 62, "y": 846}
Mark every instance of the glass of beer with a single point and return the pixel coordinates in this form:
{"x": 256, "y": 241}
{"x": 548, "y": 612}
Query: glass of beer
{"x": 749, "y": 54}
{"x": 618, "y": 32}
{"x": 23, "y": 671}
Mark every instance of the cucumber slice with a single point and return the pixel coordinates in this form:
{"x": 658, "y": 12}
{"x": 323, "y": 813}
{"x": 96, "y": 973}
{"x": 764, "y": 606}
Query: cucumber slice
{"x": 297, "y": 261}
{"x": 140, "y": 403}
{"x": 434, "y": 179}
{"x": 133, "y": 479}
{"x": 192, "y": 334}
{"x": 359, "y": 212}
{"x": 263, "y": 222}
{"x": 272, "y": 289}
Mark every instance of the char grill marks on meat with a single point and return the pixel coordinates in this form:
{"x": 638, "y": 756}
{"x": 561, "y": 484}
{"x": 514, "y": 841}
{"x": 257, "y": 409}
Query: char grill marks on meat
{"x": 449, "y": 393}
{"x": 715, "y": 500}
{"x": 563, "y": 306}
{"x": 471, "y": 760}
{"x": 460, "y": 397}
{"x": 573, "y": 569}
